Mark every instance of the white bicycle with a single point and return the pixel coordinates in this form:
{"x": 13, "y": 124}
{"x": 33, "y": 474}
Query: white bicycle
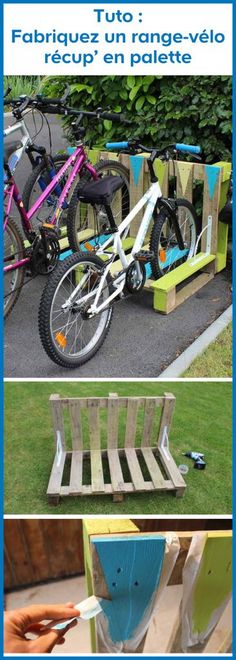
{"x": 77, "y": 303}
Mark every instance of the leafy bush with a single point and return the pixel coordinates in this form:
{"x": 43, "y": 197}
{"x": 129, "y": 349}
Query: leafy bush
{"x": 163, "y": 109}
{"x": 28, "y": 85}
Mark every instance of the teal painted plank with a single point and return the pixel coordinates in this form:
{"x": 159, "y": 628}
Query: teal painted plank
{"x": 132, "y": 569}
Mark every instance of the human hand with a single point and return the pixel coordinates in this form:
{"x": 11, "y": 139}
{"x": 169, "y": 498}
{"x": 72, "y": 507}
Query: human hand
{"x": 17, "y": 623}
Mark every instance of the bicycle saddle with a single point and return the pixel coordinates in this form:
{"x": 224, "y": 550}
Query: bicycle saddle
{"x": 10, "y": 148}
{"x": 100, "y": 192}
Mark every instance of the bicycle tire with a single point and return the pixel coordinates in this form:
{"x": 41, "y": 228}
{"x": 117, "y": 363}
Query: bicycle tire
{"x": 49, "y": 335}
{"x": 18, "y": 274}
{"x": 39, "y": 171}
{"x": 158, "y": 239}
{"x": 74, "y": 226}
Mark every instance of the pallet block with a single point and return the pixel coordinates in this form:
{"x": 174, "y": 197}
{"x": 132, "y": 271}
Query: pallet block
{"x": 127, "y": 450}
{"x": 115, "y": 567}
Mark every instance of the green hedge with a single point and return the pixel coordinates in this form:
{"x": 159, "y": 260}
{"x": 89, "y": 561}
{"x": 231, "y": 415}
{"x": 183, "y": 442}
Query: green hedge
{"x": 163, "y": 109}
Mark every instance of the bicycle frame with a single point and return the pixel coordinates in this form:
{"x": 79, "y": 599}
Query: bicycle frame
{"x": 78, "y": 160}
{"x": 149, "y": 199}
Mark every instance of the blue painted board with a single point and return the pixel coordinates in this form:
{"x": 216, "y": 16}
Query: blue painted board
{"x": 132, "y": 569}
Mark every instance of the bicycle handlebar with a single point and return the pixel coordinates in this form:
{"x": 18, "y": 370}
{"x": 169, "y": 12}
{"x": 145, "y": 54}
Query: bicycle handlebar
{"x": 133, "y": 145}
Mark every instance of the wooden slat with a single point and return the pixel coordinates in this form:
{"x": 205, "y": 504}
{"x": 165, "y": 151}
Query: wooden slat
{"x": 131, "y": 420}
{"x": 150, "y": 407}
{"x": 112, "y": 421}
{"x": 153, "y": 468}
{"x": 117, "y": 479}
{"x": 166, "y": 417}
{"x": 56, "y": 475}
{"x": 76, "y": 472}
{"x": 135, "y": 470}
{"x": 221, "y": 638}
{"x": 172, "y": 470}
{"x": 94, "y": 425}
{"x": 76, "y": 426}
{"x": 57, "y": 417}
{"x": 97, "y": 472}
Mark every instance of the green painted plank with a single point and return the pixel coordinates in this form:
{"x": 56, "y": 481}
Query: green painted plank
{"x": 214, "y": 581}
{"x": 221, "y": 255}
{"x": 181, "y": 273}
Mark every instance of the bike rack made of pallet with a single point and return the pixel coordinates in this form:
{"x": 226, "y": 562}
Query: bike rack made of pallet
{"x": 120, "y": 562}
{"x": 122, "y": 441}
{"x": 176, "y": 286}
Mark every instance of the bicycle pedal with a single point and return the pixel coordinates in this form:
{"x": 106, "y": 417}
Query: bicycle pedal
{"x": 144, "y": 256}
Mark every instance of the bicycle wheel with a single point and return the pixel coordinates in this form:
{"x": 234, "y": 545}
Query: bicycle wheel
{"x": 36, "y": 183}
{"x": 68, "y": 335}
{"x": 13, "y": 252}
{"x": 163, "y": 241}
{"x": 84, "y": 220}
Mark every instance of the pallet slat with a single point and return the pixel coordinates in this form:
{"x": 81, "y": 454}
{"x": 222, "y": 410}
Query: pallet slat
{"x": 117, "y": 479}
{"x": 135, "y": 470}
{"x": 150, "y": 407}
{"x": 153, "y": 468}
{"x": 76, "y": 473}
{"x": 97, "y": 472}
{"x": 130, "y": 431}
{"x": 112, "y": 421}
{"x": 56, "y": 475}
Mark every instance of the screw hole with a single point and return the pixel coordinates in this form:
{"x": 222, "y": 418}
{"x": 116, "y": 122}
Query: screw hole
{"x": 136, "y": 584}
{"x": 114, "y": 584}
{"x": 119, "y": 570}
{"x": 209, "y": 573}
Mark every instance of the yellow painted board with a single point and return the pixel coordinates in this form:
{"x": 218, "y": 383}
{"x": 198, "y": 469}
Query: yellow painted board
{"x": 181, "y": 273}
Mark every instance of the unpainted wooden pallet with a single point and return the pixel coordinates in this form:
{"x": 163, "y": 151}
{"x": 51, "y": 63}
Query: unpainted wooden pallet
{"x": 114, "y": 470}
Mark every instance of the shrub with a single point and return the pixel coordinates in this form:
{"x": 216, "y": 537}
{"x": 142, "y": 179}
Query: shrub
{"x": 163, "y": 109}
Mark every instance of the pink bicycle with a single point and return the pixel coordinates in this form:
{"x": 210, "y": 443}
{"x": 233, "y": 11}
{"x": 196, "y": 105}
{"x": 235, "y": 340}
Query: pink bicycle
{"x": 42, "y": 252}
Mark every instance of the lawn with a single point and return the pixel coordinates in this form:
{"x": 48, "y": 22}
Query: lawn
{"x": 202, "y": 422}
{"x": 216, "y": 361}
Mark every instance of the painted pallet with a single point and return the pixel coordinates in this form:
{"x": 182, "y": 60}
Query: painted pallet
{"x": 115, "y": 563}
{"x": 112, "y": 446}
{"x": 178, "y": 285}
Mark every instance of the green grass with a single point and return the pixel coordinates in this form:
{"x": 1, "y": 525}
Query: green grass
{"x": 202, "y": 422}
{"x": 216, "y": 361}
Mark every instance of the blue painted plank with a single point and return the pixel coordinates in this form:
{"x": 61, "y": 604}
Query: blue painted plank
{"x": 132, "y": 569}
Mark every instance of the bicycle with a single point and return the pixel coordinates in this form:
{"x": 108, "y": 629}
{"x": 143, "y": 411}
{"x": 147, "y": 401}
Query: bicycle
{"x": 77, "y": 303}
{"x": 43, "y": 251}
{"x": 45, "y": 165}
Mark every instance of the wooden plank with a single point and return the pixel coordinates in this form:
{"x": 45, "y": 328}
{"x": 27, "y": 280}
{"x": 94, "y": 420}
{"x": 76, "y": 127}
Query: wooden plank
{"x": 166, "y": 418}
{"x": 97, "y": 472}
{"x": 98, "y": 526}
{"x": 150, "y": 407}
{"x": 117, "y": 479}
{"x": 181, "y": 273}
{"x": 119, "y": 574}
{"x": 173, "y": 471}
{"x": 135, "y": 470}
{"x": 94, "y": 425}
{"x": 136, "y": 190}
{"x": 112, "y": 421}
{"x": 153, "y": 468}
{"x": 56, "y": 475}
{"x": 57, "y": 416}
{"x": 221, "y": 638}
{"x": 184, "y": 173}
{"x": 131, "y": 419}
{"x": 76, "y": 473}
{"x": 76, "y": 426}
{"x": 211, "y": 203}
